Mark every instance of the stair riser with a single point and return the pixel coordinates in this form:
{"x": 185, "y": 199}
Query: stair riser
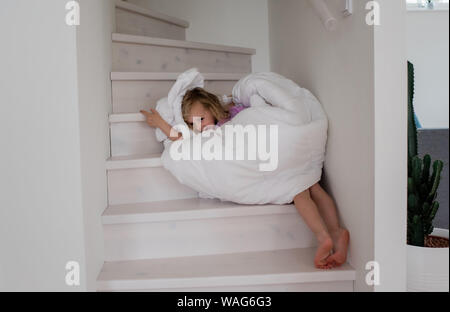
{"x": 136, "y": 24}
{"x": 149, "y": 58}
{"x": 205, "y": 237}
{"x": 134, "y": 138}
{"x": 345, "y": 286}
{"x": 144, "y": 185}
{"x": 132, "y": 96}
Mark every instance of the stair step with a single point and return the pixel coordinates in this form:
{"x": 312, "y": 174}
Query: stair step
{"x": 130, "y": 135}
{"x": 118, "y": 118}
{"x": 132, "y": 92}
{"x": 135, "y": 20}
{"x": 172, "y": 43}
{"x": 163, "y": 76}
{"x": 133, "y": 162}
{"x": 141, "y": 178}
{"x": 176, "y": 228}
{"x": 151, "y": 13}
{"x": 187, "y": 209}
{"x": 148, "y": 54}
{"x": 254, "y": 270}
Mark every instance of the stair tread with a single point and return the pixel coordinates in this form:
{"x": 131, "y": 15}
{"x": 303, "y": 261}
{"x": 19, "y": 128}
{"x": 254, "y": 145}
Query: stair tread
{"x": 249, "y": 268}
{"x": 126, "y": 117}
{"x": 151, "y": 13}
{"x": 186, "y": 209}
{"x": 124, "y": 76}
{"x": 134, "y": 161}
{"x": 144, "y": 40}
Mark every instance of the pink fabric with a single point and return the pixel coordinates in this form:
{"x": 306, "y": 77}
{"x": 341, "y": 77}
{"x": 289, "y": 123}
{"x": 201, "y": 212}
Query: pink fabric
{"x": 234, "y": 110}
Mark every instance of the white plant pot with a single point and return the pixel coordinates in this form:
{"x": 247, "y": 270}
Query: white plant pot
{"x": 428, "y": 267}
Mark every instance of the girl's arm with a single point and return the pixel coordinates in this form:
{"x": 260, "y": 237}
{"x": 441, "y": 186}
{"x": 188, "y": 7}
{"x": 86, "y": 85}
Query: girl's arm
{"x": 155, "y": 120}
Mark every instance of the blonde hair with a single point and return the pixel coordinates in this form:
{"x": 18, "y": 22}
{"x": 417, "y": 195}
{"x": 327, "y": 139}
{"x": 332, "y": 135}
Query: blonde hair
{"x": 209, "y": 101}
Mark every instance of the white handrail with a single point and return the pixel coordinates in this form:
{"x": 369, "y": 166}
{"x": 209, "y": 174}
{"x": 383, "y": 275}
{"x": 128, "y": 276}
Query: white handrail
{"x": 324, "y": 13}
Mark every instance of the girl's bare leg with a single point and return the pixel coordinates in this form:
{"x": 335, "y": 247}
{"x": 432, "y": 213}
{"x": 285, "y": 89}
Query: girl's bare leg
{"x": 328, "y": 211}
{"x": 310, "y": 214}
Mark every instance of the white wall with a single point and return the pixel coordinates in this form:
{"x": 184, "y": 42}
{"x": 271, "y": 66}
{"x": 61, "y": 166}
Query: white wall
{"x": 232, "y": 22}
{"x": 427, "y": 48}
{"x": 56, "y": 96}
{"x": 338, "y": 68}
{"x": 94, "y": 67}
{"x": 341, "y": 69}
{"x": 391, "y": 170}
{"x": 41, "y": 219}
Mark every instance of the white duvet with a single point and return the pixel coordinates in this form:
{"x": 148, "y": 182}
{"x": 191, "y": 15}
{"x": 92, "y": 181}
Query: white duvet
{"x": 289, "y": 159}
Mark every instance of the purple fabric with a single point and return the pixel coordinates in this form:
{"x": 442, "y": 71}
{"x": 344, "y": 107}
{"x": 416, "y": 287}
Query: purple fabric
{"x": 234, "y": 110}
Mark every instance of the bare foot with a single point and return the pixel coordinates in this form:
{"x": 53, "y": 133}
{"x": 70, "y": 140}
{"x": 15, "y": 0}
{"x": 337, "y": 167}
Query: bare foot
{"x": 340, "y": 241}
{"x": 323, "y": 253}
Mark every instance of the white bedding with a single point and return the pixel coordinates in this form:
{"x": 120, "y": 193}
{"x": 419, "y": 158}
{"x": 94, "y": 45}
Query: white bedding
{"x": 274, "y": 101}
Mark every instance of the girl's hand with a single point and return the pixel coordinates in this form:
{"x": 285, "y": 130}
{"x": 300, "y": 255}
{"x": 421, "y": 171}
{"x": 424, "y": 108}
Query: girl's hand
{"x": 152, "y": 118}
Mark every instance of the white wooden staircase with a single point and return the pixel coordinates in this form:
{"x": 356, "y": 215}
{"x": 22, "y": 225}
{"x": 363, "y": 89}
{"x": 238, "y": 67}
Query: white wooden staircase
{"x": 159, "y": 236}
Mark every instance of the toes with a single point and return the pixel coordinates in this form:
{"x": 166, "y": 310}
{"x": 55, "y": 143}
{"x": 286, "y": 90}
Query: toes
{"x": 324, "y": 267}
{"x": 335, "y": 264}
{"x": 331, "y": 262}
{"x": 325, "y": 264}
{"x": 336, "y": 260}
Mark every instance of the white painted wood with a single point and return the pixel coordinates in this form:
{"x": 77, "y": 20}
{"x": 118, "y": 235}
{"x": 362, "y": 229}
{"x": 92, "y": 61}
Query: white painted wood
{"x": 132, "y": 92}
{"x": 183, "y": 44}
{"x": 133, "y": 138}
{"x": 132, "y": 53}
{"x": 205, "y": 237}
{"x": 131, "y": 23}
{"x": 277, "y": 267}
{"x": 156, "y": 76}
{"x": 389, "y": 151}
{"x": 144, "y": 185}
{"x": 122, "y": 118}
{"x": 133, "y": 162}
{"x": 187, "y": 209}
{"x": 141, "y": 178}
{"x": 344, "y": 286}
{"x": 240, "y": 23}
{"x": 151, "y": 13}
{"x": 204, "y": 232}
{"x": 183, "y": 242}
{"x": 350, "y": 175}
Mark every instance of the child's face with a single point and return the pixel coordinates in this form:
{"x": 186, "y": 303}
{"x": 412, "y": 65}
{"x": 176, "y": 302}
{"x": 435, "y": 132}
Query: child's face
{"x": 198, "y": 110}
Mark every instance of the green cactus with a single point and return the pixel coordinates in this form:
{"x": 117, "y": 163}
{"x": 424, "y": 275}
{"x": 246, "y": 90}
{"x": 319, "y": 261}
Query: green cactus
{"x": 412, "y": 129}
{"x": 422, "y": 189}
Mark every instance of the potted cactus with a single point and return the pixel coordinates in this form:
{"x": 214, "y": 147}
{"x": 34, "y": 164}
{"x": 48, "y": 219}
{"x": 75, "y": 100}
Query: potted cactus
{"x": 428, "y": 258}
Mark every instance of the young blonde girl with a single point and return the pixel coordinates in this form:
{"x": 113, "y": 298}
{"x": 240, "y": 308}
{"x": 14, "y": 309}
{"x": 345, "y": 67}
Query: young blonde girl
{"x": 315, "y": 206}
